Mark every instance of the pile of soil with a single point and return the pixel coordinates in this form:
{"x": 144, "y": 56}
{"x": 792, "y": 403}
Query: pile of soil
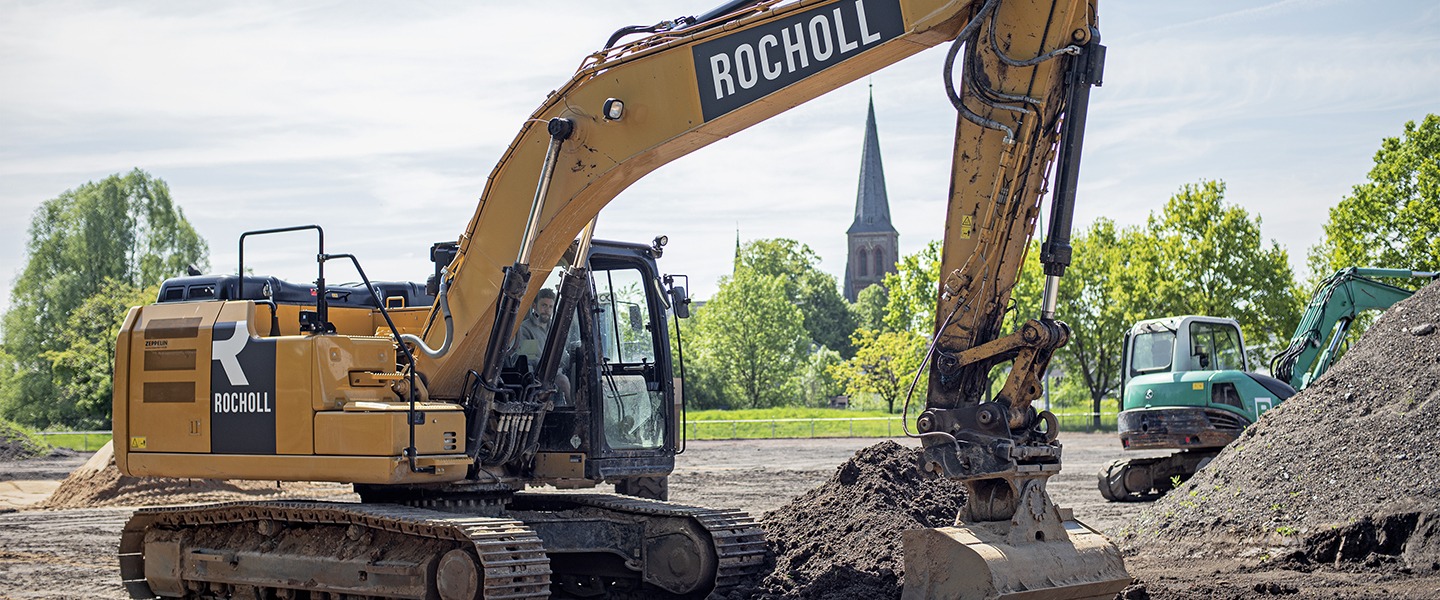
{"x": 841, "y": 541}
{"x": 15, "y": 444}
{"x": 1346, "y": 473}
{"x": 99, "y": 483}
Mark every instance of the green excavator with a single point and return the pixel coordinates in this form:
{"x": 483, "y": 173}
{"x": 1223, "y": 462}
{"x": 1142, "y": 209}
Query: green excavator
{"x": 1187, "y": 384}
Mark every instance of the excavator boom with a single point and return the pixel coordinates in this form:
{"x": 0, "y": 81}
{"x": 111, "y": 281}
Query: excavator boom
{"x": 1333, "y": 307}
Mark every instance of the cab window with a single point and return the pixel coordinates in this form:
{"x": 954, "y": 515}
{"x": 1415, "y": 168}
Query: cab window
{"x": 624, "y": 322}
{"x": 634, "y": 400}
{"x": 1153, "y": 351}
{"x": 1216, "y": 347}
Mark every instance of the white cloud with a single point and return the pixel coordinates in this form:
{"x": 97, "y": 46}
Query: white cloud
{"x": 381, "y": 121}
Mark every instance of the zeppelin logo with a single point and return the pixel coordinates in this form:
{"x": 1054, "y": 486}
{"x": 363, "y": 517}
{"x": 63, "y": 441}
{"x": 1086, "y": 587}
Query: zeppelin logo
{"x": 242, "y": 402}
{"x": 743, "y": 67}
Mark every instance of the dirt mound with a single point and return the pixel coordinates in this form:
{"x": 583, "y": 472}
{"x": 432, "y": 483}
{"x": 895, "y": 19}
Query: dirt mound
{"x": 15, "y": 444}
{"x": 841, "y": 541}
{"x": 1347, "y": 472}
{"x": 99, "y": 483}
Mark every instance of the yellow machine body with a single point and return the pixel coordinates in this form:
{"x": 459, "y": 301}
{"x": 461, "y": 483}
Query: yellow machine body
{"x": 199, "y": 393}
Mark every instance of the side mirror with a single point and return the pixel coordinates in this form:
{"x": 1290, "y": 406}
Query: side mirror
{"x": 680, "y": 302}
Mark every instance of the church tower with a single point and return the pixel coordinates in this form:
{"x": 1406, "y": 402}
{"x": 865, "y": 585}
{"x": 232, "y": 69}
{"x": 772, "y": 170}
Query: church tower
{"x": 874, "y": 245}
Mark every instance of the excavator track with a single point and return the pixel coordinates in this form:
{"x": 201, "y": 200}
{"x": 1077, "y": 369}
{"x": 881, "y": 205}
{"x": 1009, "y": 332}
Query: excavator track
{"x": 265, "y": 550}
{"x": 1130, "y": 479}
{"x": 339, "y": 550}
{"x": 738, "y": 541}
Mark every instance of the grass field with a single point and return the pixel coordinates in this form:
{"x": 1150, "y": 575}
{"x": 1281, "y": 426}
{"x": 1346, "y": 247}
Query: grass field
{"x": 789, "y": 423}
{"x": 768, "y": 423}
{"x": 79, "y": 441}
{"x": 826, "y": 422}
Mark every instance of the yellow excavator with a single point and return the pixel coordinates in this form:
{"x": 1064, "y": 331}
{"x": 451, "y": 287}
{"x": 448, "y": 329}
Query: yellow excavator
{"x": 441, "y": 405}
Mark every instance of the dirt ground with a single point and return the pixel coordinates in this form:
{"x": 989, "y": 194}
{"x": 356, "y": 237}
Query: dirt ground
{"x": 71, "y": 553}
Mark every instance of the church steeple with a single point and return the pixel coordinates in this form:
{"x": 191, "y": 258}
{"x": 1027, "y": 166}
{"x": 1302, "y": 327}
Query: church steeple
{"x": 735, "y": 264}
{"x": 873, "y": 242}
{"x": 872, "y": 205}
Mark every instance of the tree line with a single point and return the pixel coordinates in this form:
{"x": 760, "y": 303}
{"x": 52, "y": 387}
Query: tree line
{"x": 777, "y": 332}
{"x": 94, "y": 251}
{"x": 774, "y": 333}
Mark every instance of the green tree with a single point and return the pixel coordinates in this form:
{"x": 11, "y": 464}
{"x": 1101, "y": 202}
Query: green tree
{"x": 84, "y": 365}
{"x": 1091, "y": 301}
{"x": 1203, "y": 256}
{"x": 869, "y": 307}
{"x": 884, "y": 364}
{"x": 818, "y": 383}
{"x": 752, "y": 337}
{"x": 827, "y": 316}
{"x": 117, "y": 236}
{"x": 913, "y": 291}
{"x": 700, "y": 386}
{"x": 1391, "y": 219}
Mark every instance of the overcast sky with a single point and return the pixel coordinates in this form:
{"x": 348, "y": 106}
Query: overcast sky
{"x": 381, "y": 121}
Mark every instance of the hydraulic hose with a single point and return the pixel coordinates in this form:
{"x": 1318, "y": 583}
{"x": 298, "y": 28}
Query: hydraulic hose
{"x": 966, "y": 33}
{"x": 678, "y": 23}
{"x": 443, "y": 296}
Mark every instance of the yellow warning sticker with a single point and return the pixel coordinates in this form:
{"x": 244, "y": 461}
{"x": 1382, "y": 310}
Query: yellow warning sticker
{"x": 137, "y": 443}
{"x": 967, "y": 226}
{"x": 1197, "y": 386}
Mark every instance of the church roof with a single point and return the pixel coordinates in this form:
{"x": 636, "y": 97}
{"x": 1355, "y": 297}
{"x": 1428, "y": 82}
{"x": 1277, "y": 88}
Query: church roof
{"x": 872, "y": 207}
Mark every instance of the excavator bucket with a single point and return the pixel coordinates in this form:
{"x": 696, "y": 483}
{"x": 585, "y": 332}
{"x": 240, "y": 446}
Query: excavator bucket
{"x": 985, "y": 560}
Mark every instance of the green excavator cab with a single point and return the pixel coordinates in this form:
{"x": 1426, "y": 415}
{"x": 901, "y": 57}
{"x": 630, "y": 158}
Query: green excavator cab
{"x": 1187, "y": 387}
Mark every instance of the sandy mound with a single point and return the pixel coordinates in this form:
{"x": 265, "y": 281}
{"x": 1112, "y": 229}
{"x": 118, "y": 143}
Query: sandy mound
{"x": 17, "y": 445}
{"x": 841, "y": 541}
{"x": 99, "y": 483}
{"x": 1346, "y": 472}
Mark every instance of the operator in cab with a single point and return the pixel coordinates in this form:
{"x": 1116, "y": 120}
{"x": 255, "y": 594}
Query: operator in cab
{"x": 537, "y": 322}
{"x": 531, "y": 339}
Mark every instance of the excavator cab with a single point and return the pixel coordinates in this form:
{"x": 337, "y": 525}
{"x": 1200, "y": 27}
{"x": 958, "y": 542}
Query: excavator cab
{"x": 1187, "y": 387}
{"x": 1213, "y": 343}
{"x": 618, "y": 421}
{"x": 1190, "y": 368}
{"x": 1183, "y": 382}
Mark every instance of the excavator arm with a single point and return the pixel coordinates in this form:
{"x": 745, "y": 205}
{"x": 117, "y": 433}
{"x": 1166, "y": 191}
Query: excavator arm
{"x": 632, "y": 108}
{"x": 1331, "y": 311}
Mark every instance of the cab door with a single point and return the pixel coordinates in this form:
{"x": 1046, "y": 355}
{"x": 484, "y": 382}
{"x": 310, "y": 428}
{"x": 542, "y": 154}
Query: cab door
{"x": 633, "y": 361}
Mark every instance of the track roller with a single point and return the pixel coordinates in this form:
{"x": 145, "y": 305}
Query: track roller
{"x": 1138, "y": 479}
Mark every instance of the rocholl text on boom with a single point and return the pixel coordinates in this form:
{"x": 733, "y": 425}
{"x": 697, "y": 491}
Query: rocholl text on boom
{"x": 821, "y": 38}
{"x": 242, "y": 402}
